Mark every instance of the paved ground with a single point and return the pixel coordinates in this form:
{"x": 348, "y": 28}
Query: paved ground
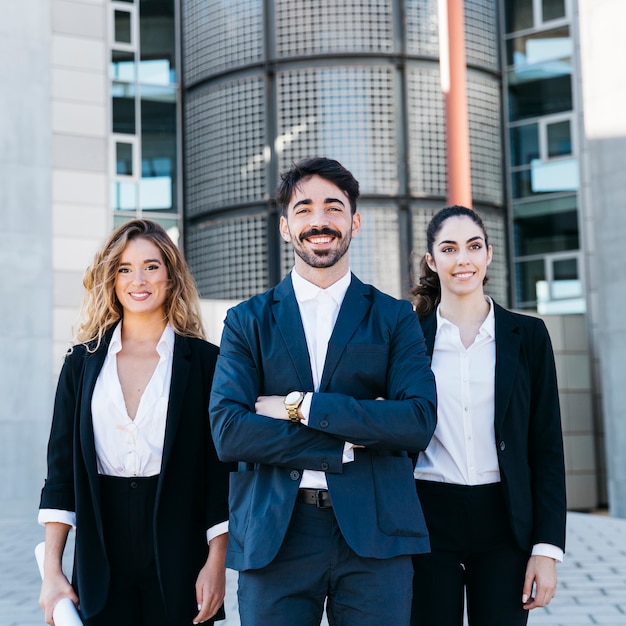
{"x": 592, "y": 586}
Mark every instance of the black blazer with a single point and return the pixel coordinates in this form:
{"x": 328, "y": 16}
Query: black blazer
{"x": 527, "y": 425}
{"x": 192, "y": 491}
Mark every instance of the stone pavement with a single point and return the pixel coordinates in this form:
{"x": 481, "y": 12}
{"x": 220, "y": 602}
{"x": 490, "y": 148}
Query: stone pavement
{"x": 592, "y": 580}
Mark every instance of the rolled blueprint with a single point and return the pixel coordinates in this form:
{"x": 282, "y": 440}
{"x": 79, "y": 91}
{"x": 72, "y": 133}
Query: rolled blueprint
{"x": 64, "y": 613}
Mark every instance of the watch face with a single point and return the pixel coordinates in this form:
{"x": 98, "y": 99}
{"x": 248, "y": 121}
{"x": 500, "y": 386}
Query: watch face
{"x": 292, "y": 397}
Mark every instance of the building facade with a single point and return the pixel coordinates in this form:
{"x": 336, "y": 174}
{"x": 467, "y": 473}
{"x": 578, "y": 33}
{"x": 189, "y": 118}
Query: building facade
{"x": 186, "y": 111}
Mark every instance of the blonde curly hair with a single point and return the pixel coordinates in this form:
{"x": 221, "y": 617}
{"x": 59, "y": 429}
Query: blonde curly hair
{"x": 101, "y": 309}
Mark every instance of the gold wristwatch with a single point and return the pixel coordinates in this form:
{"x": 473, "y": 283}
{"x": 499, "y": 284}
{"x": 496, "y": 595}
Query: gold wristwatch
{"x": 292, "y": 402}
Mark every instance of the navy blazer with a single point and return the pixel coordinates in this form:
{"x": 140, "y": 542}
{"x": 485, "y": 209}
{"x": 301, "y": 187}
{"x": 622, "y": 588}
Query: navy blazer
{"x": 376, "y": 350}
{"x": 192, "y": 490}
{"x": 528, "y": 432}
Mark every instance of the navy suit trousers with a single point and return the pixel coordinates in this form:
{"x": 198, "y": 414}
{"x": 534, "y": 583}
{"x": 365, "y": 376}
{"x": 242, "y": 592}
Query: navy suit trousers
{"x": 315, "y": 565}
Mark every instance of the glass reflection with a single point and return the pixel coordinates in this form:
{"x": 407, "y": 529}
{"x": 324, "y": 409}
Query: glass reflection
{"x": 528, "y": 274}
{"x": 124, "y": 196}
{"x": 549, "y": 45}
{"x": 546, "y": 233}
{"x": 122, "y": 27}
{"x": 157, "y": 37}
{"x": 123, "y": 107}
{"x": 123, "y": 158}
{"x": 524, "y": 144}
{"x": 158, "y": 148}
{"x": 122, "y": 66}
{"x": 559, "y": 138}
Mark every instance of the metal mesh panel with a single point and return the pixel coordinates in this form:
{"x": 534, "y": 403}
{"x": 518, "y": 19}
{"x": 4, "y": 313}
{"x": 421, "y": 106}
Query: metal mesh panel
{"x": 481, "y": 43}
{"x": 495, "y": 224}
{"x": 224, "y": 149}
{"x": 427, "y": 133}
{"x": 422, "y": 27}
{"x": 228, "y": 256}
{"x": 346, "y": 113}
{"x": 483, "y": 95}
{"x": 220, "y": 35}
{"x": 320, "y": 26}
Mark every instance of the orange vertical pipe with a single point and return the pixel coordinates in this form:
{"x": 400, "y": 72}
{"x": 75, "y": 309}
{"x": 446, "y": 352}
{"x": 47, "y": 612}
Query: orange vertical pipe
{"x": 457, "y": 124}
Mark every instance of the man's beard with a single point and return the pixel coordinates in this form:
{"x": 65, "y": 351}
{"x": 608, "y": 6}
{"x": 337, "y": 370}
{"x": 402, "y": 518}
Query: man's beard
{"x": 322, "y": 258}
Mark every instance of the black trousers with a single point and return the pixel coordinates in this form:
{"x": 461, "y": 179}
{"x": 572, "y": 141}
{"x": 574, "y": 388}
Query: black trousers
{"x": 134, "y": 597}
{"x": 473, "y": 555}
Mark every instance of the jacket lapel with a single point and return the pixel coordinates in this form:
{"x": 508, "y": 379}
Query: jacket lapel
{"x": 181, "y": 367}
{"x": 93, "y": 365}
{"x": 354, "y": 307}
{"x": 429, "y": 328}
{"x": 508, "y": 343}
{"x": 289, "y": 322}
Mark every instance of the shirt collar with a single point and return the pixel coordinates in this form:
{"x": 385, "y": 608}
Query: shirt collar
{"x": 306, "y": 290}
{"x": 488, "y": 326}
{"x": 165, "y": 344}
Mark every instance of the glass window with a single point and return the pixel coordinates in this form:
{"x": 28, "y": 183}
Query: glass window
{"x": 158, "y": 148}
{"x": 124, "y": 196}
{"x": 543, "y": 234}
{"x": 553, "y": 9}
{"x": 545, "y": 178}
{"x": 566, "y": 283}
{"x": 123, "y": 27}
{"x": 122, "y": 66}
{"x": 528, "y": 274}
{"x": 547, "y": 45}
{"x": 157, "y": 43}
{"x": 123, "y": 108}
{"x": 559, "y": 138}
{"x": 518, "y": 15}
{"x": 539, "y": 96}
{"x": 524, "y": 144}
{"x": 123, "y": 158}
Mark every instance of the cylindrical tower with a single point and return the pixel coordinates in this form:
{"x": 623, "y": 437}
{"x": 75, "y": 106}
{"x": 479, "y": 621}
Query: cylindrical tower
{"x": 267, "y": 82}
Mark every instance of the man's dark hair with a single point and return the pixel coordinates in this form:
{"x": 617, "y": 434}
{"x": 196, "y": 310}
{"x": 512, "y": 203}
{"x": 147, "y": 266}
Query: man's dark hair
{"x": 328, "y": 169}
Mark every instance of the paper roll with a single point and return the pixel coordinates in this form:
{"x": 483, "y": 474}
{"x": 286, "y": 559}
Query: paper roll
{"x": 64, "y": 613}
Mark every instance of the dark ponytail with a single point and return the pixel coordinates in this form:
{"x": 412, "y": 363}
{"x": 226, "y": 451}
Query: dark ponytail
{"x": 426, "y": 294}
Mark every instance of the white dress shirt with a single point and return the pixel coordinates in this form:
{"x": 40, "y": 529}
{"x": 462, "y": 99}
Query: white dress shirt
{"x": 128, "y": 447}
{"x": 463, "y": 448}
{"x": 319, "y": 309}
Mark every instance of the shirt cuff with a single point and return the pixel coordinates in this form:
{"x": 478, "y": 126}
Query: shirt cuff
{"x": 547, "y": 549}
{"x": 305, "y": 408}
{"x": 215, "y": 531}
{"x": 348, "y": 452}
{"x": 57, "y": 515}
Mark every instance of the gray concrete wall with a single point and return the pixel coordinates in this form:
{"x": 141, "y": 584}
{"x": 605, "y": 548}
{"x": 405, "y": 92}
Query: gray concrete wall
{"x": 26, "y": 386}
{"x": 603, "y": 49}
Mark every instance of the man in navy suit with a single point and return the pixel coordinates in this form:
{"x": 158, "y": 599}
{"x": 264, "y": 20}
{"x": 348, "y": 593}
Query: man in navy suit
{"x": 323, "y": 508}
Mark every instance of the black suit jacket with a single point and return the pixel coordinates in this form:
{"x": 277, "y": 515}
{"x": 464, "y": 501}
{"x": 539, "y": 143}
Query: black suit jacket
{"x": 527, "y": 426}
{"x": 192, "y": 491}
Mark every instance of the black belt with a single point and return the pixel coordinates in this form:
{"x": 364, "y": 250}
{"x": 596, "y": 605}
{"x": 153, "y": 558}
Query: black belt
{"x": 319, "y": 497}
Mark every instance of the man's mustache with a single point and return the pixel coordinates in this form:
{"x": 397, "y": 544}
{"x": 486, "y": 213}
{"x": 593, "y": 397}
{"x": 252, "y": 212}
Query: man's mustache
{"x": 316, "y": 232}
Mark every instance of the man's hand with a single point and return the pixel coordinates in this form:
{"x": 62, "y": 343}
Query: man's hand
{"x": 541, "y": 570}
{"x": 271, "y": 406}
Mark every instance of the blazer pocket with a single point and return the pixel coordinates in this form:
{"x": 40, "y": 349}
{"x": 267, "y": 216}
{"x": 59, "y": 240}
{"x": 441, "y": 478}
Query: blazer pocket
{"x": 399, "y": 510}
{"x": 239, "y": 498}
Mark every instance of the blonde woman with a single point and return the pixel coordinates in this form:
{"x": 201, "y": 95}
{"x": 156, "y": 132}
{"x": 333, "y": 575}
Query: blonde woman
{"x": 131, "y": 462}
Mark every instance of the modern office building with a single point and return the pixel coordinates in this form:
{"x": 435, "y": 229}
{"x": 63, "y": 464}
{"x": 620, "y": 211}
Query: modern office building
{"x": 186, "y": 111}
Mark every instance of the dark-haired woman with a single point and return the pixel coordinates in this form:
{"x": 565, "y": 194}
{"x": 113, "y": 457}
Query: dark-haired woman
{"x": 131, "y": 462}
{"x": 492, "y": 480}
